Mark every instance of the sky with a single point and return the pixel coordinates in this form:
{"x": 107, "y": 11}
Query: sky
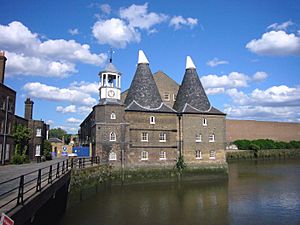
{"x": 247, "y": 53}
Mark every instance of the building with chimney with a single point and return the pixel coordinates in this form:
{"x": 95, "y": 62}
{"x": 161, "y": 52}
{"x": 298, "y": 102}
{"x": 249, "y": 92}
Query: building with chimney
{"x": 9, "y": 120}
{"x": 155, "y": 121}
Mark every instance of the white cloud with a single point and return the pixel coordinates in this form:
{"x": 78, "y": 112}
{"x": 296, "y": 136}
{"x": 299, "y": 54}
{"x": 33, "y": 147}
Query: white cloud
{"x": 139, "y": 17}
{"x": 46, "y": 58}
{"x": 260, "y": 76}
{"x": 105, "y": 8}
{"x": 67, "y": 109}
{"x": 215, "y": 62}
{"x": 275, "y": 43}
{"x": 84, "y": 110}
{"x": 73, "y": 31}
{"x": 282, "y": 26}
{"x": 43, "y": 91}
{"x": 115, "y": 32}
{"x": 86, "y": 87}
{"x": 49, "y": 122}
{"x": 274, "y": 103}
{"x": 232, "y": 80}
{"x": 19, "y": 64}
{"x": 178, "y": 22}
{"x": 73, "y": 120}
{"x": 214, "y": 91}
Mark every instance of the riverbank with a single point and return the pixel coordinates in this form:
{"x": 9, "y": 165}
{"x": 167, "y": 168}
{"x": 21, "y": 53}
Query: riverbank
{"x": 87, "y": 182}
{"x": 237, "y": 155}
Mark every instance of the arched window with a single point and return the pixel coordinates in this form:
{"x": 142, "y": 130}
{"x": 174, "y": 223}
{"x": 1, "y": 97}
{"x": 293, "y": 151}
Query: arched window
{"x": 112, "y": 116}
{"x": 112, "y": 156}
{"x": 112, "y": 136}
{"x": 152, "y": 120}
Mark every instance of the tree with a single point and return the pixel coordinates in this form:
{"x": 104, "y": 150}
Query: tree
{"x": 21, "y": 137}
{"x": 47, "y": 150}
{"x": 60, "y": 133}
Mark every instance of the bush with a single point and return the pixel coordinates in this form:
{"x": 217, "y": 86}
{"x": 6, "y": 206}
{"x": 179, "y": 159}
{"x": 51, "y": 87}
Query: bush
{"x": 263, "y": 144}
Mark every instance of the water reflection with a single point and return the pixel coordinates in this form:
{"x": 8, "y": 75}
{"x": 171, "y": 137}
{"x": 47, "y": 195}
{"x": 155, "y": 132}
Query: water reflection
{"x": 257, "y": 193}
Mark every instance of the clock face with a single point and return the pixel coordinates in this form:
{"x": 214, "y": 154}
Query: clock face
{"x": 111, "y": 93}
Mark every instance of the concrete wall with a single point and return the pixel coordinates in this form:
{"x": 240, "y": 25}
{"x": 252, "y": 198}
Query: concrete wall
{"x": 251, "y": 130}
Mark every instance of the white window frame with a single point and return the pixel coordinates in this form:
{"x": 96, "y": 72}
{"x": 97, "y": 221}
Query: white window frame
{"x": 212, "y": 154}
{"x": 204, "y": 122}
{"x": 212, "y": 138}
{"x": 162, "y": 137}
{"x": 174, "y": 97}
{"x": 198, "y": 154}
{"x": 152, "y": 119}
{"x": 112, "y": 156}
{"x": 112, "y": 136}
{"x": 38, "y": 150}
{"x": 39, "y": 132}
{"x": 162, "y": 155}
{"x": 166, "y": 96}
{"x": 113, "y": 116}
{"x": 144, "y": 137}
{"x": 199, "y": 137}
{"x": 144, "y": 155}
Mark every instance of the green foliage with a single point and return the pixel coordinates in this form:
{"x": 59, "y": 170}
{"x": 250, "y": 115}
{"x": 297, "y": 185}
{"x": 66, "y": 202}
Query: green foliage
{"x": 180, "y": 164}
{"x": 60, "y": 133}
{"x": 21, "y": 137}
{"x": 47, "y": 150}
{"x": 263, "y": 144}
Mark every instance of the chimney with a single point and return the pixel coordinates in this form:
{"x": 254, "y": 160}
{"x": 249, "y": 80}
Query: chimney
{"x": 2, "y": 66}
{"x": 28, "y": 109}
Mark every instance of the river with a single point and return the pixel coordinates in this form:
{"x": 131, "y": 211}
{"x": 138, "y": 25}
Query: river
{"x": 255, "y": 193}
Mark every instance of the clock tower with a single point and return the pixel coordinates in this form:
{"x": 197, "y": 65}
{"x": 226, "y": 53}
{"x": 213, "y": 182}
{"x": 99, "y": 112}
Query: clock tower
{"x": 110, "y": 84}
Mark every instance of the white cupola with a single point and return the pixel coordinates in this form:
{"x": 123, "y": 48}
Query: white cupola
{"x": 110, "y": 83}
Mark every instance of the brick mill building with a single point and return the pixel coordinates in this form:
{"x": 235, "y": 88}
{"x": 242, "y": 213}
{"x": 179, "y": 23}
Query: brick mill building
{"x": 149, "y": 126}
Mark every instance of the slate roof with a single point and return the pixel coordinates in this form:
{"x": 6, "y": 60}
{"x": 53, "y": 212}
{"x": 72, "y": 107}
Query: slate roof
{"x": 55, "y": 140}
{"x": 191, "y": 96}
{"x": 143, "y": 92}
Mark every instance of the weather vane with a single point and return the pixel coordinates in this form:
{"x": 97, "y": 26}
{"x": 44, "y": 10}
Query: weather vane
{"x": 111, "y": 54}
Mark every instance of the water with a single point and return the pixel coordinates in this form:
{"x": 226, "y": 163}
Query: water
{"x": 256, "y": 193}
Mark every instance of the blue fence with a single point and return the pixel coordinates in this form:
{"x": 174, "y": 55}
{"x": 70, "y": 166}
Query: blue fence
{"x": 82, "y": 151}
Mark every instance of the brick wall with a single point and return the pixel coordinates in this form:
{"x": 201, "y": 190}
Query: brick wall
{"x": 251, "y": 130}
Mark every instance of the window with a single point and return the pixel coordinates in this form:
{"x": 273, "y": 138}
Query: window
{"x": 144, "y": 137}
{"x": 38, "y": 132}
{"x": 152, "y": 120}
{"x": 112, "y": 136}
{"x": 112, "y": 116}
{"x": 144, "y": 155}
{"x": 162, "y": 155}
{"x": 198, "y": 137}
{"x": 211, "y": 138}
{"x": 198, "y": 154}
{"x": 37, "y": 150}
{"x": 7, "y": 152}
{"x": 162, "y": 137}
{"x": 166, "y": 96}
{"x": 174, "y": 97}
{"x": 204, "y": 122}
{"x": 112, "y": 156}
{"x": 212, "y": 154}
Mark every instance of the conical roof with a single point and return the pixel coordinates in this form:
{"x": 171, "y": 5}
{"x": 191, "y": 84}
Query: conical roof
{"x": 143, "y": 89}
{"x": 191, "y": 95}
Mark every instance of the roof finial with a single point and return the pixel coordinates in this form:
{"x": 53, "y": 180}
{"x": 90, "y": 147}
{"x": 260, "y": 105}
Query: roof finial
{"x": 111, "y": 54}
{"x": 189, "y": 63}
{"x": 142, "y": 58}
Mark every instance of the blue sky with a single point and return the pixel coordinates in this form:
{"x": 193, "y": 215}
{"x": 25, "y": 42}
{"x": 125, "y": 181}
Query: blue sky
{"x": 246, "y": 52}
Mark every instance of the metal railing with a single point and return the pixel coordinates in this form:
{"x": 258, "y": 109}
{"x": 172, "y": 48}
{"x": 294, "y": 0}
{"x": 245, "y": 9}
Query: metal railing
{"x": 18, "y": 190}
